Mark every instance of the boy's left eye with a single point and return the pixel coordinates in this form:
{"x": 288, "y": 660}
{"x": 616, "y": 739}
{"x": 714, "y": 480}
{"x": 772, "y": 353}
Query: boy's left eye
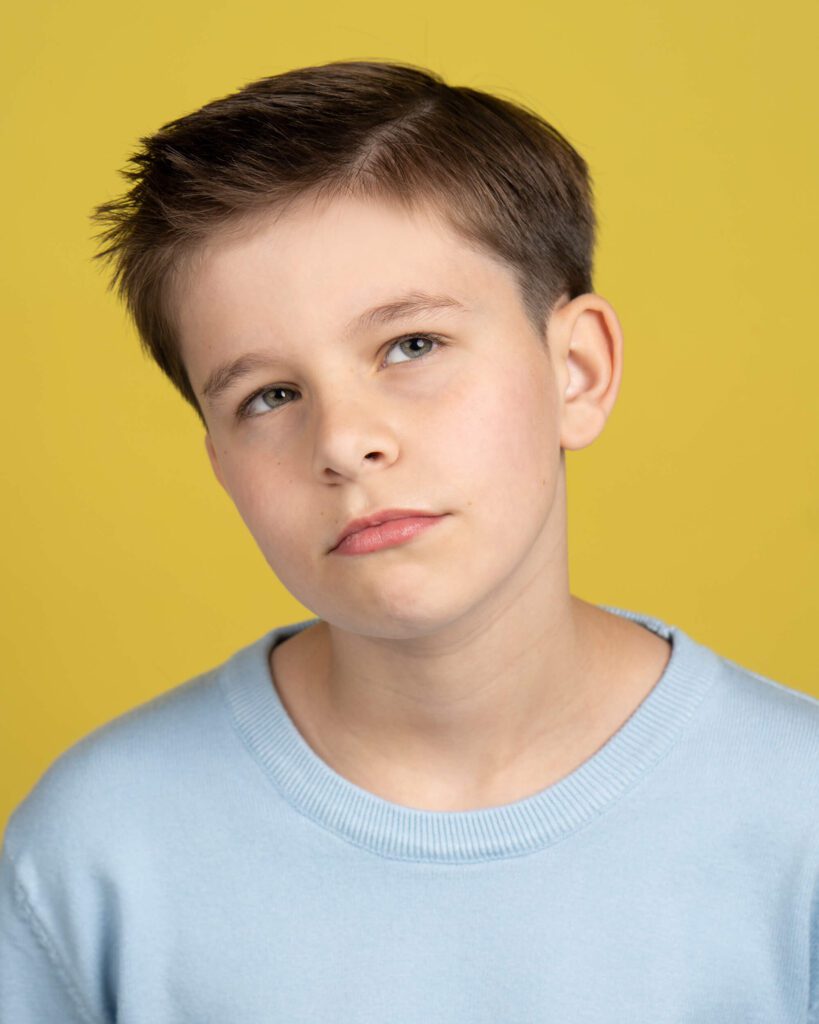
{"x": 427, "y": 338}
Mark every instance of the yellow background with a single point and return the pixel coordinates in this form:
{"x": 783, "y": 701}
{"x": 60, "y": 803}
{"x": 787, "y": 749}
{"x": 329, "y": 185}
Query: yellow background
{"x": 127, "y": 570}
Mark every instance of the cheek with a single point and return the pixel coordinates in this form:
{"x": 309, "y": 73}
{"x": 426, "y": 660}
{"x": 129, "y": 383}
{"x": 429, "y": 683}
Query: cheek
{"x": 502, "y": 432}
{"x": 262, "y": 494}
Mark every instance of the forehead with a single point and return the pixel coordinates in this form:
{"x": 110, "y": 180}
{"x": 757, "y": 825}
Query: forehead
{"x": 320, "y": 262}
{"x": 325, "y": 229}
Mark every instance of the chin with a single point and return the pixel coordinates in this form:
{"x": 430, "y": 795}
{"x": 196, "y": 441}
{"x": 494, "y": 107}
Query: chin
{"x": 404, "y": 613}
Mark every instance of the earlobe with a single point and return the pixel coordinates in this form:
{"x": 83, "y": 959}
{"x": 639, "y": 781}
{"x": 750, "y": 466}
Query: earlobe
{"x": 214, "y": 461}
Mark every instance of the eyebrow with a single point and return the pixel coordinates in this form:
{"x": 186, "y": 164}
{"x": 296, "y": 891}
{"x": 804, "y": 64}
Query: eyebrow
{"x": 226, "y": 376}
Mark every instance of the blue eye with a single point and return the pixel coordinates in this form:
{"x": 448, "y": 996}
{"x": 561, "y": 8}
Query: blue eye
{"x": 243, "y": 412}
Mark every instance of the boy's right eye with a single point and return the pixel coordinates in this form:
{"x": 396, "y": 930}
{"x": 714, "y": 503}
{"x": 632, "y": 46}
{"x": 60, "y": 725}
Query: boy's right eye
{"x": 243, "y": 412}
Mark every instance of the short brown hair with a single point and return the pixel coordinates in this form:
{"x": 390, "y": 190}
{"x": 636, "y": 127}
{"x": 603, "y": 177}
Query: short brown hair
{"x": 506, "y": 180}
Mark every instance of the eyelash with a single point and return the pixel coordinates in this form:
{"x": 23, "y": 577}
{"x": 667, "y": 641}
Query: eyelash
{"x": 242, "y": 412}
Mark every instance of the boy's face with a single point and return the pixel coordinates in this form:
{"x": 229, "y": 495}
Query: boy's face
{"x": 468, "y": 425}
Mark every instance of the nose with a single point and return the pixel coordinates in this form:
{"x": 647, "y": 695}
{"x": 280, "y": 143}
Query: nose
{"x": 353, "y": 437}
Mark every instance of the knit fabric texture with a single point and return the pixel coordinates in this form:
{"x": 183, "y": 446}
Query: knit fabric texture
{"x": 194, "y": 860}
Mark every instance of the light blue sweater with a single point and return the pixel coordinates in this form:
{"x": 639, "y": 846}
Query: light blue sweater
{"x": 195, "y": 861}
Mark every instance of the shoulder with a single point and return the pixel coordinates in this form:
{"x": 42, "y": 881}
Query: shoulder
{"x": 771, "y": 705}
{"x": 765, "y": 735}
{"x": 113, "y": 780}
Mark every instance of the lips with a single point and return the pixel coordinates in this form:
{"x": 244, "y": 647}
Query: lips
{"x": 377, "y": 518}
{"x": 392, "y": 533}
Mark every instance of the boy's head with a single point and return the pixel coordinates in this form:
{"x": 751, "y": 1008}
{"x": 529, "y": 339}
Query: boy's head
{"x": 375, "y": 290}
{"x": 503, "y": 178}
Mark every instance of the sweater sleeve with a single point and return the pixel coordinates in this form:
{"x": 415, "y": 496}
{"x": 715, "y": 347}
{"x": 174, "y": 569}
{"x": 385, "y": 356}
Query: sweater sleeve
{"x": 813, "y": 1004}
{"x": 35, "y": 985}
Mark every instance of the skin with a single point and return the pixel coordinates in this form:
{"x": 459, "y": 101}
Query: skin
{"x": 456, "y": 671}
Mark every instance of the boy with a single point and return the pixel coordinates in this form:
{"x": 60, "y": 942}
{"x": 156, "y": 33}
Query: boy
{"x": 459, "y": 793}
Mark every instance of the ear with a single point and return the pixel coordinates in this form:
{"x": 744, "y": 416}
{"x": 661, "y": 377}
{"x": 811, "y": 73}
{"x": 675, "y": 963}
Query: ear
{"x": 587, "y": 345}
{"x": 214, "y": 461}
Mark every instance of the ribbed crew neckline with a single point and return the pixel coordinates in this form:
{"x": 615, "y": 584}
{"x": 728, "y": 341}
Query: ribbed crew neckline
{"x": 393, "y": 830}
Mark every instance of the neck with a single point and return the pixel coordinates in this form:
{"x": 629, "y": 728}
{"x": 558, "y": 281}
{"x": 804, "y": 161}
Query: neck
{"x": 490, "y": 718}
